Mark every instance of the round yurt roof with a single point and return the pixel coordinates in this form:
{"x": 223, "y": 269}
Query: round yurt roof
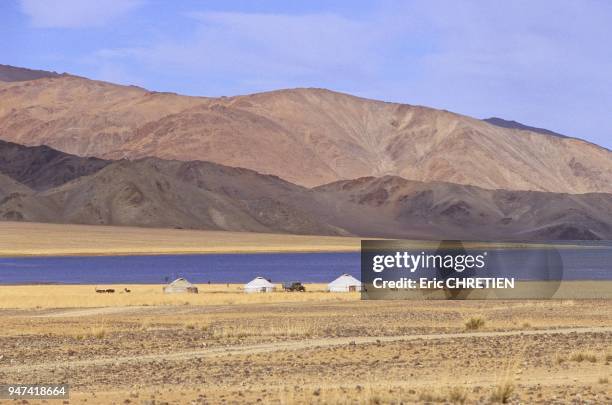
{"x": 259, "y": 282}
{"x": 345, "y": 279}
{"x": 180, "y": 282}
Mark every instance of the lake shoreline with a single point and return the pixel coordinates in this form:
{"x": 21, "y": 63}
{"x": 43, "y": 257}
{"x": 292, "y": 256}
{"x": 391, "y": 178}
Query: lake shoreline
{"x": 23, "y": 297}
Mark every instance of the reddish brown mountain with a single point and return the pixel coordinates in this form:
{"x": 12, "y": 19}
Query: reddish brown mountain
{"x": 306, "y": 136}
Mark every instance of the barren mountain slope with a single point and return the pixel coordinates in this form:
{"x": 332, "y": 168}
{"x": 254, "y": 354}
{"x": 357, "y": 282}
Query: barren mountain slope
{"x": 20, "y": 203}
{"x": 41, "y": 167}
{"x": 201, "y": 195}
{"x": 9, "y": 186}
{"x": 198, "y": 195}
{"x": 79, "y": 116}
{"x": 467, "y": 212}
{"x": 307, "y": 136}
{"x": 15, "y": 74}
{"x": 500, "y": 122}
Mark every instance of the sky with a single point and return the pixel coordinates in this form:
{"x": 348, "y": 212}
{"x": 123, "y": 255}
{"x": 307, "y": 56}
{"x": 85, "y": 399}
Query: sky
{"x": 543, "y": 63}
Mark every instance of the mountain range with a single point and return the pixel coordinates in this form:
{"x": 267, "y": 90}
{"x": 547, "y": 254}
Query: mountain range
{"x": 44, "y": 185}
{"x": 304, "y": 161}
{"x": 309, "y": 137}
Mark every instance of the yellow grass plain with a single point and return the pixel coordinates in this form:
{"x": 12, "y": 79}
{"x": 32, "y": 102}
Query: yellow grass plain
{"x": 84, "y": 296}
{"x": 224, "y": 346}
{"x": 26, "y": 239}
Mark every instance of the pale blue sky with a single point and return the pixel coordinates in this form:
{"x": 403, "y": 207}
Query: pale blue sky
{"x": 543, "y": 63}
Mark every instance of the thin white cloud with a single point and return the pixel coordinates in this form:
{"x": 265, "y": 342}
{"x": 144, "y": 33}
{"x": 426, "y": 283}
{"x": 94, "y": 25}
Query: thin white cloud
{"x": 272, "y": 45}
{"x": 75, "y": 13}
{"x": 253, "y": 52}
{"x": 543, "y": 63}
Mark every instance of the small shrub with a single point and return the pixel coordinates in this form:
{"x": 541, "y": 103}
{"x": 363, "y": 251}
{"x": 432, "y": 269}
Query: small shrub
{"x": 375, "y": 400}
{"x": 430, "y": 396}
{"x": 457, "y": 395}
{"x": 98, "y": 333}
{"x": 603, "y": 380}
{"x": 503, "y": 392}
{"x": 583, "y": 356}
{"x": 608, "y": 357}
{"x": 190, "y": 326}
{"x": 475, "y": 323}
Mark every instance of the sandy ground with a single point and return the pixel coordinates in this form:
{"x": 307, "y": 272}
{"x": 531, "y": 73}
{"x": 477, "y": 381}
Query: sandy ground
{"x": 40, "y": 239}
{"x": 320, "y": 348}
{"x": 25, "y": 239}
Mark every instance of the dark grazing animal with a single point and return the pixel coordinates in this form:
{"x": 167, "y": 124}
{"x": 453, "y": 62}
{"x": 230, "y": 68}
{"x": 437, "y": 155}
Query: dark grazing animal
{"x": 102, "y": 291}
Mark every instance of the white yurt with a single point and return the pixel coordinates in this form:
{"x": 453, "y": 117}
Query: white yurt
{"x": 180, "y": 285}
{"x": 344, "y": 283}
{"x": 258, "y": 284}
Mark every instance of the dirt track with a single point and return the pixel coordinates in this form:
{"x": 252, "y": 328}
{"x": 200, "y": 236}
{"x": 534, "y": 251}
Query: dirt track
{"x": 315, "y": 352}
{"x": 300, "y": 345}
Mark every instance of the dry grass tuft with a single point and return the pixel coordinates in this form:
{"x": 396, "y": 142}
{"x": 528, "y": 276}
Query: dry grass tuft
{"x": 97, "y": 332}
{"x": 221, "y": 332}
{"x": 503, "y": 392}
{"x": 458, "y": 395}
{"x": 454, "y": 395}
{"x": 583, "y": 356}
{"x": 429, "y": 395}
{"x": 475, "y": 323}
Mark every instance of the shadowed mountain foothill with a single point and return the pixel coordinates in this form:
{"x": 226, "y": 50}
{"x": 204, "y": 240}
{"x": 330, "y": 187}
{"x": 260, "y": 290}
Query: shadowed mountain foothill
{"x": 41, "y": 167}
{"x": 467, "y": 212}
{"x": 153, "y": 192}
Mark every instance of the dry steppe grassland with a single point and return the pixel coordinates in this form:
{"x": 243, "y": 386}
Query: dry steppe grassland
{"x": 40, "y": 239}
{"x": 224, "y": 346}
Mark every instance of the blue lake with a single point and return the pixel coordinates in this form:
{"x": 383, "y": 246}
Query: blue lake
{"x": 216, "y": 268}
{"x": 589, "y": 264}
